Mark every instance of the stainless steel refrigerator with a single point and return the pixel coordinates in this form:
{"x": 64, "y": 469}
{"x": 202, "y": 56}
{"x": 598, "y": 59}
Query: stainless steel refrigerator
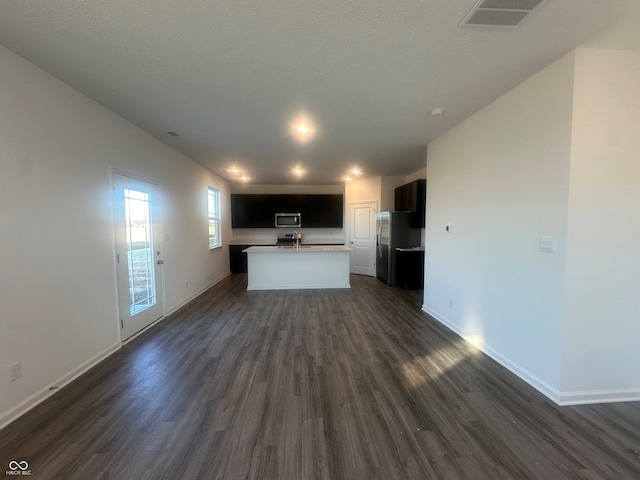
{"x": 392, "y": 231}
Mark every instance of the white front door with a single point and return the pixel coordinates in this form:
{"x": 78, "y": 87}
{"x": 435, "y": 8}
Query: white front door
{"x": 362, "y": 218}
{"x": 137, "y": 257}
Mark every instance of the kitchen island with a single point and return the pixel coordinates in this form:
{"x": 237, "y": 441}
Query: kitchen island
{"x": 304, "y": 267}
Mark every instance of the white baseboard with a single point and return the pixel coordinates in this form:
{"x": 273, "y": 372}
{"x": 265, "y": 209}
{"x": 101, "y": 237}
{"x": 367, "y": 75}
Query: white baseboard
{"x": 556, "y": 396}
{"x": 177, "y": 307}
{"x": 23, "y": 407}
{"x": 29, "y": 403}
{"x": 599, "y": 396}
{"x": 532, "y": 380}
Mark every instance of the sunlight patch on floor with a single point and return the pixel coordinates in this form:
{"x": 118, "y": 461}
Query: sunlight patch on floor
{"x": 422, "y": 370}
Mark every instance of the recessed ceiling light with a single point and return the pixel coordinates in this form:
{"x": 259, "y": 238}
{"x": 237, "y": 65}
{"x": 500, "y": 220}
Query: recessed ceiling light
{"x": 244, "y": 179}
{"x": 302, "y": 128}
{"x": 298, "y": 171}
{"x": 348, "y": 179}
{"x": 437, "y": 112}
{"x": 356, "y": 172}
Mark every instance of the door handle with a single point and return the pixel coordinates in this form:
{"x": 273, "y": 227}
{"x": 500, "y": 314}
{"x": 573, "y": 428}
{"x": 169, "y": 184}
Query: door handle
{"x": 160, "y": 262}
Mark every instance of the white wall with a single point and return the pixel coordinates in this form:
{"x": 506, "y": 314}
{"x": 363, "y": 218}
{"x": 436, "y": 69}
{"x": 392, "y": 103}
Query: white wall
{"x": 363, "y": 189}
{"x": 602, "y": 329}
{"x": 388, "y": 187}
{"x": 500, "y": 180}
{"x": 555, "y": 157}
{"x": 417, "y": 175}
{"x": 57, "y": 281}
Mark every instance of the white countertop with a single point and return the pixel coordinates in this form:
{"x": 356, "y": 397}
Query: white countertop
{"x": 411, "y": 249}
{"x": 303, "y": 248}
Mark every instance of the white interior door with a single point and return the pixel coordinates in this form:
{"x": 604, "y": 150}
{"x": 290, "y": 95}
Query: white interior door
{"x": 137, "y": 256}
{"x": 362, "y": 217}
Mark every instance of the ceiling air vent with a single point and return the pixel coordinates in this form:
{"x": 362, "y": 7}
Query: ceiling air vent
{"x": 500, "y": 13}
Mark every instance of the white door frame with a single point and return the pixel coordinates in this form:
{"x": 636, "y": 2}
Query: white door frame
{"x": 131, "y": 326}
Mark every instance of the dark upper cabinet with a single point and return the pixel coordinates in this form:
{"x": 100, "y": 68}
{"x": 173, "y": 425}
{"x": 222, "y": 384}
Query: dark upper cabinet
{"x": 258, "y": 211}
{"x": 335, "y": 212}
{"x": 285, "y": 204}
{"x": 309, "y": 211}
{"x": 322, "y": 211}
{"x": 403, "y": 198}
{"x": 412, "y": 198}
{"x": 250, "y": 211}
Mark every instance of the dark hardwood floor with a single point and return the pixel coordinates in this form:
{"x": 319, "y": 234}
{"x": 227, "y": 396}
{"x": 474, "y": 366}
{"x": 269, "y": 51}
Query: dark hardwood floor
{"x": 325, "y": 384}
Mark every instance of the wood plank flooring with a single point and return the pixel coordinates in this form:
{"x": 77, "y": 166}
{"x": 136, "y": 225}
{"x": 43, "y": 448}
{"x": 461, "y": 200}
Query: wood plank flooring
{"x": 323, "y": 384}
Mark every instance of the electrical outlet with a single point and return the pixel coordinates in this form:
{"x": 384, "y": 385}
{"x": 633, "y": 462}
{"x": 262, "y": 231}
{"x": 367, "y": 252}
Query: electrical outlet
{"x": 15, "y": 371}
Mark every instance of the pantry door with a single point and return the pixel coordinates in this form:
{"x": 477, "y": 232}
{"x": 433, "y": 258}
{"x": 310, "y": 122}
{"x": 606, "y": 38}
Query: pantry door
{"x": 138, "y": 258}
{"x": 362, "y": 222}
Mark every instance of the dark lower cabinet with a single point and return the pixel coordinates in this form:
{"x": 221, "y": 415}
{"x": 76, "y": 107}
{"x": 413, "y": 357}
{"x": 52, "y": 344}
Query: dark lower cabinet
{"x": 410, "y": 268}
{"x": 237, "y": 258}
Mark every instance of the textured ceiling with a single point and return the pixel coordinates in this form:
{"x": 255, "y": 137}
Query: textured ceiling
{"x": 229, "y": 75}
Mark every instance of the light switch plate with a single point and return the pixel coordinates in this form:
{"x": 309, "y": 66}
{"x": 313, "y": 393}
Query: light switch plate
{"x": 547, "y": 244}
{"x": 15, "y": 371}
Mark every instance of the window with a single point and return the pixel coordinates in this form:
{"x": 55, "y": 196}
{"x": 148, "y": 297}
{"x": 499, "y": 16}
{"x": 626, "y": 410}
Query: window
{"x": 214, "y": 218}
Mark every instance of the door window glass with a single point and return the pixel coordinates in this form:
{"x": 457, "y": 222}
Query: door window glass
{"x": 213, "y": 208}
{"x": 142, "y": 291}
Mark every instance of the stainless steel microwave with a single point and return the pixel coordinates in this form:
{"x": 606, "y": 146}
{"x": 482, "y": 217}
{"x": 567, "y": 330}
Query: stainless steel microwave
{"x": 288, "y": 220}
